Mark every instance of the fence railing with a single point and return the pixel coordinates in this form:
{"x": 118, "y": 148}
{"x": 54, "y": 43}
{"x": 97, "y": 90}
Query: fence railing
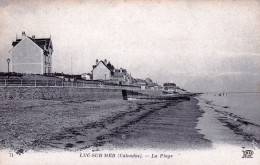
{"x": 59, "y": 83}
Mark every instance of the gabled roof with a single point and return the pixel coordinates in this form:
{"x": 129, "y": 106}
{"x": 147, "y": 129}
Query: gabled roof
{"x": 109, "y": 66}
{"x": 39, "y": 41}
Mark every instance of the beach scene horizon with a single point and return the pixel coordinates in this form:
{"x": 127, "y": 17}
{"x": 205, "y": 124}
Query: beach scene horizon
{"x": 129, "y": 82}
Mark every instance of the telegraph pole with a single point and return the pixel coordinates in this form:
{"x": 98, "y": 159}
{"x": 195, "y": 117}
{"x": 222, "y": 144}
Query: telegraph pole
{"x": 8, "y": 61}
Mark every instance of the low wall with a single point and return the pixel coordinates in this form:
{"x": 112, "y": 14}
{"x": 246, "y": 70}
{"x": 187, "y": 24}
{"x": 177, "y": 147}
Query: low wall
{"x": 59, "y": 93}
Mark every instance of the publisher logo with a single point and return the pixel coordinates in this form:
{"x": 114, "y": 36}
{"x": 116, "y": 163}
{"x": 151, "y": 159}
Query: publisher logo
{"x": 248, "y": 153}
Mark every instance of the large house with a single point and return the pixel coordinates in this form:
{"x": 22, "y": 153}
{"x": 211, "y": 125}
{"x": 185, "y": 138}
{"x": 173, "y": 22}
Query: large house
{"x": 32, "y": 55}
{"x": 104, "y": 70}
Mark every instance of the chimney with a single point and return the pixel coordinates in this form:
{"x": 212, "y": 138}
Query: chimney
{"x": 96, "y": 61}
{"x": 121, "y": 70}
{"x": 33, "y": 36}
{"x": 23, "y": 34}
{"x": 105, "y": 61}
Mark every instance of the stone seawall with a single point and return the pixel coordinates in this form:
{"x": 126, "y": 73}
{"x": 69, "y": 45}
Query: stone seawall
{"x": 58, "y": 93}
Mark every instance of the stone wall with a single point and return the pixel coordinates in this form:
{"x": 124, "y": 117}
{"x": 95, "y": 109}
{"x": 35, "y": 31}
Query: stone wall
{"x": 58, "y": 93}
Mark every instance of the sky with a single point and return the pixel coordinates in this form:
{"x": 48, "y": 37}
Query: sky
{"x": 202, "y": 46}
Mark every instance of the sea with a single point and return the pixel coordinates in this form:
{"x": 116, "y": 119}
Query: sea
{"x": 244, "y": 105}
{"x": 230, "y": 118}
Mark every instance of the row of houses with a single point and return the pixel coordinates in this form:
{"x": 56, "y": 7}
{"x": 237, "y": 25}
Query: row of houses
{"x": 33, "y": 55}
{"x": 103, "y": 70}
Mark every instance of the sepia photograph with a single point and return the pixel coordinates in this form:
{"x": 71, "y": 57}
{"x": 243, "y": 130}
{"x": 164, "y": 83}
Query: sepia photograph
{"x": 129, "y": 82}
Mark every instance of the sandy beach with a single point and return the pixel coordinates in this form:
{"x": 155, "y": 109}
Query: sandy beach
{"x": 112, "y": 124}
{"x": 46, "y": 125}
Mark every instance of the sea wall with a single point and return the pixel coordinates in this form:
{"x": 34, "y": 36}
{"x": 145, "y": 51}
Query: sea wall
{"x": 58, "y": 93}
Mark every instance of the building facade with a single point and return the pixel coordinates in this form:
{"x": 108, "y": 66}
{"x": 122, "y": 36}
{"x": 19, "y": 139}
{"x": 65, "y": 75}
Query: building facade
{"x": 120, "y": 76}
{"x": 32, "y": 55}
{"x": 102, "y": 70}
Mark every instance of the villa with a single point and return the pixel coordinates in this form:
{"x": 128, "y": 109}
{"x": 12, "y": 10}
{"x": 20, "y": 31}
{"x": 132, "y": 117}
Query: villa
{"x": 32, "y": 55}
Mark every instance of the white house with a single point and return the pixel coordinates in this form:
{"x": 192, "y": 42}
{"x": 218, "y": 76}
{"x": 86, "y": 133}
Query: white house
{"x": 102, "y": 70}
{"x": 32, "y": 55}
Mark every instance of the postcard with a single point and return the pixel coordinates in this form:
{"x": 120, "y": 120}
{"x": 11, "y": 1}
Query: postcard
{"x": 129, "y": 82}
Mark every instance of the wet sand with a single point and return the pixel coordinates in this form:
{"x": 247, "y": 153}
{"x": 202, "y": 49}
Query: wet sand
{"x": 223, "y": 128}
{"x": 45, "y": 125}
{"x": 171, "y": 127}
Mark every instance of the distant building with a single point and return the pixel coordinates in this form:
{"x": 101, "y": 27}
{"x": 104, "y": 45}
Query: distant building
{"x": 120, "y": 76}
{"x": 32, "y": 55}
{"x": 169, "y": 87}
{"x": 142, "y": 83}
{"x": 153, "y": 86}
{"x": 104, "y": 70}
